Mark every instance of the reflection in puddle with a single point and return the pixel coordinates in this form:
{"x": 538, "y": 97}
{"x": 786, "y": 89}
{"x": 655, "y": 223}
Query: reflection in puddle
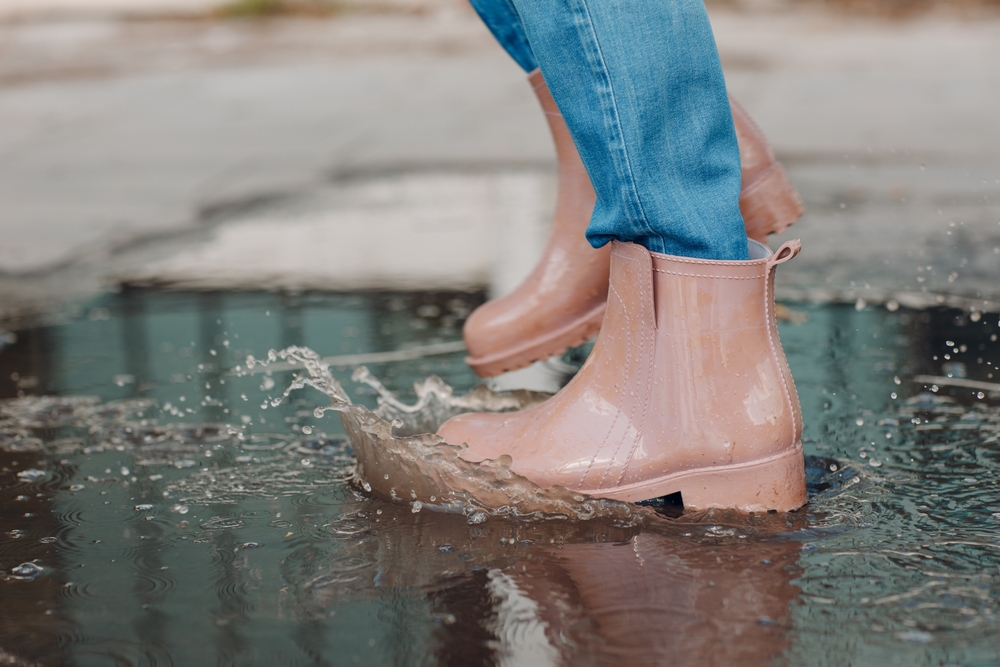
{"x": 153, "y": 512}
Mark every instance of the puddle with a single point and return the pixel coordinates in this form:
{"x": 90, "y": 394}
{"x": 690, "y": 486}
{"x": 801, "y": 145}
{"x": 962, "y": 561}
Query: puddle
{"x": 153, "y": 512}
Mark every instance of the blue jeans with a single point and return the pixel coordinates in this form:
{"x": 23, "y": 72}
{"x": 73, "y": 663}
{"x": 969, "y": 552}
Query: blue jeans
{"x": 640, "y": 86}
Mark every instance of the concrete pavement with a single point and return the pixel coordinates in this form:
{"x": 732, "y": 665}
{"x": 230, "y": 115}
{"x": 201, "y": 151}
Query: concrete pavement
{"x": 404, "y": 149}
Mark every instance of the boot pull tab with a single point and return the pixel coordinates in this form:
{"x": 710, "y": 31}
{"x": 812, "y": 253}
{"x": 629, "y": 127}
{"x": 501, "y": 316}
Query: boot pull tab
{"x": 788, "y": 250}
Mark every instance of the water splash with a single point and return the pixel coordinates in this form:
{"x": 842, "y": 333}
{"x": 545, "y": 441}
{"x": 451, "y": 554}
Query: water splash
{"x": 400, "y": 458}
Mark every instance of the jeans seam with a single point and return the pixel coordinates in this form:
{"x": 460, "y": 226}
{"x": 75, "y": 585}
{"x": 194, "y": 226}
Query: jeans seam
{"x": 615, "y": 121}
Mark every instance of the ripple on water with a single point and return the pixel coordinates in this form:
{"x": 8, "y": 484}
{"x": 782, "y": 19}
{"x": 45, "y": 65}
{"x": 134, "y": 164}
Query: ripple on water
{"x": 26, "y": 571}
{"x": 123, "y": 652}
{"x": 224, "y": 523}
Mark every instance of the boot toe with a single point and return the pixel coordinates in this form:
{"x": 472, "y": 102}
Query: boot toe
{"x": 479, "y": 431}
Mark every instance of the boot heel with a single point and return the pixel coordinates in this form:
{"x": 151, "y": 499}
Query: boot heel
{"x": 777, "y": 483}
{"x": 770, "y": 204}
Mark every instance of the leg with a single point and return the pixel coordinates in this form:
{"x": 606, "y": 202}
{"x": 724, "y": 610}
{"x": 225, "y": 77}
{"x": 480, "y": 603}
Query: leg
{"x": 641, "y": 88}
{"x": 687, "y": 389}
{"x": 502, "y": 20}
{"x": 543, "y": 316}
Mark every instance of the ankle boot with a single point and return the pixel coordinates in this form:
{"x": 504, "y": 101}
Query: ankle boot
{"x": 768, "y": 201}
{"x": 561, "y": 303}
{"x": 687, "y": 390}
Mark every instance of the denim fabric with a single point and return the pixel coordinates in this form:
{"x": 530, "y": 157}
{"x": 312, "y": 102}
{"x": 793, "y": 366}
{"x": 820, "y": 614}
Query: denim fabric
{"x": 502, "y": 20}
{"x": 640, "y": 85}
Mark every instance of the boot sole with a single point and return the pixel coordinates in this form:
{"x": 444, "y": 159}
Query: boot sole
{"x": 543, "y": 347}
{"x": 773, "y": 483}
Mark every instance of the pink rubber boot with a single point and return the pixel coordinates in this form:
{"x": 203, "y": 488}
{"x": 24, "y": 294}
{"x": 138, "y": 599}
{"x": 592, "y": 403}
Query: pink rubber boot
{"x": 561, "y": 303}
{"x": 687, "y": 390}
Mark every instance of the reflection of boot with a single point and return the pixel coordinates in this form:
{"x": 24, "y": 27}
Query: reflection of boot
{"x": 561, "y": 303}
{"x": 687, "y": 389}
{"x": 657, "y": 600}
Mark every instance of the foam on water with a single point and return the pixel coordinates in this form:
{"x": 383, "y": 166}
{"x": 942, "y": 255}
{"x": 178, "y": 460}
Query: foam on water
{"x": 400, "y": 458}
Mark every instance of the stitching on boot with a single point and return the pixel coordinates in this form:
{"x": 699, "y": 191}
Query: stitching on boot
{"x": 628, "y": 363}
{"x": 628, "y": 366}
{"x": 698, "y": 275}
{"x": 768, "y": 300}
{"x": 645, "y": 405}
{"x": 713, "y": 262}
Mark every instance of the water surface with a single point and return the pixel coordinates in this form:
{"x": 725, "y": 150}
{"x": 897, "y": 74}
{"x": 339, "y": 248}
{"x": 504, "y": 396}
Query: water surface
{"x": 154, "y": 512}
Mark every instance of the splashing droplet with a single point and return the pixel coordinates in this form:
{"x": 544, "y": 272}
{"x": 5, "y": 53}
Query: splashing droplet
{"x": 26, "y": 571}
{"x": 478, "y": 517}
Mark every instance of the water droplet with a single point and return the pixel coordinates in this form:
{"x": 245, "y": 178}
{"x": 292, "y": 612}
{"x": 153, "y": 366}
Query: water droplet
{"x": 893, "y": 396}
{"x": 252, "y": 545}
{"x": 180, "y": 509}
{"x": 875, "y": 464}
{"x": 48, "y": 540}
{"x": 76, "y": 487}
{"x": 478, "y": 517}
{"x": 975, "y": 316}
{"x": 307, "y": 430}
{"x": 267, "y": 384}
{"x": 859, "y": 421}
{"x": 897, "y": 380}
{"x": 860, "y": 304}
{"x": 31, "y": 475}
{"x": 366, "y": 486}
{"x": 892, "y": 305}
{"x": 416, "y": 506}
{"x": 126, "y": 472}
{"x": 980, "y": 395}
{"x": 26, "y": 571}
{"x": 914, "y": 637}
{"x": 446, "y": 548}
{"x": 145, "y": 507}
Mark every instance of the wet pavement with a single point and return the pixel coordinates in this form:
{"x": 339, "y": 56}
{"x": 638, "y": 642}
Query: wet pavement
{"x": 168, "y": 151}
{"x": 159, "y": 509}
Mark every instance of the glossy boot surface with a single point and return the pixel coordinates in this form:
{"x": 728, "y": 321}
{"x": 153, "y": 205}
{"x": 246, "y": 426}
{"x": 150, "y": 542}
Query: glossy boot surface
{"x": 768, "y": 201}
{"x": 561, "y": 303}
{"x": 687, "y": 390}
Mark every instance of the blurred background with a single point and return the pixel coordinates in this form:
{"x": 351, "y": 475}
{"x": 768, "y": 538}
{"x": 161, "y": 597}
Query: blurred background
{"x": 391, "y": 144}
